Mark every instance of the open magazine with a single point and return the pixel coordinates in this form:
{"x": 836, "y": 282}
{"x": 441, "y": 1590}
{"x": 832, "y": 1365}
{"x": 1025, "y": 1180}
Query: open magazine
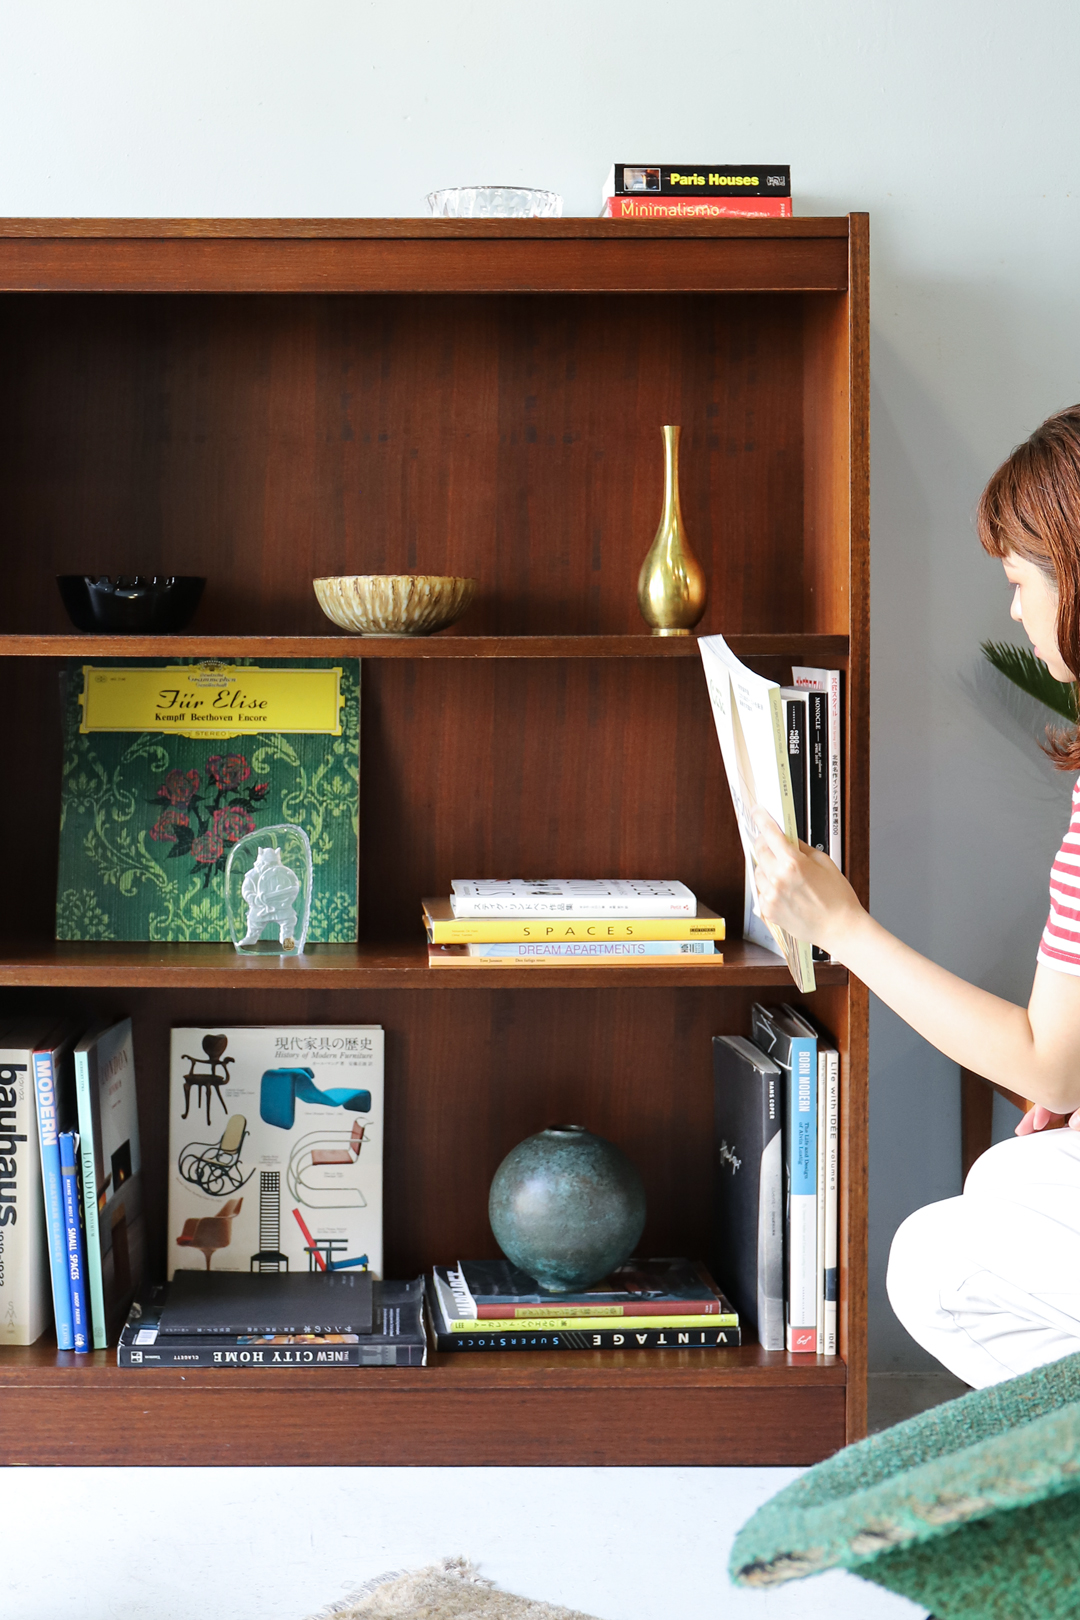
{"x": 749, "y": 717}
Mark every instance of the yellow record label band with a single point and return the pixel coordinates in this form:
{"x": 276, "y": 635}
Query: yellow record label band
{"x": 202, "y": 700}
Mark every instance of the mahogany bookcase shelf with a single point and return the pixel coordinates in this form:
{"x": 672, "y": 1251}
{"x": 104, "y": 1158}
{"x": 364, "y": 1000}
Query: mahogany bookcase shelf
{"x": 826, "y": 651}
{"x": 263, "y": 402}
{"x": 731, "y": 1407}
{"x": 392, "y": 966}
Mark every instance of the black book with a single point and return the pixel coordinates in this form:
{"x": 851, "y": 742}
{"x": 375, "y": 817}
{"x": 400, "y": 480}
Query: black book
{"x": 699, "y": 180}
{"x": 796, "y": 711}
{"x": 748, "y": 1188}
{"x": 817, "y": 762}
{"x": 257, "y": 1302}
{"x": 397, "y": 1338}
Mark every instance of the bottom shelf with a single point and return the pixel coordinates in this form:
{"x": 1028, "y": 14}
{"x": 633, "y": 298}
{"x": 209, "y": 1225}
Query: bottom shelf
{"x": 578, "y": 1408}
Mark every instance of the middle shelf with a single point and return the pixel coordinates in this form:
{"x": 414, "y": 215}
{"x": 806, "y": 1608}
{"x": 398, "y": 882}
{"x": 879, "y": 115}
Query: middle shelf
{"x": 378, "y": 966}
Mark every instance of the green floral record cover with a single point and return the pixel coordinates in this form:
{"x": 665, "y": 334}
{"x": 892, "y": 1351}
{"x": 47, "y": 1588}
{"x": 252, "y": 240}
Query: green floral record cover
{"x": 147, "y": 820}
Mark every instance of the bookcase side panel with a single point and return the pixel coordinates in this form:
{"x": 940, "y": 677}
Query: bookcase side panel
{"x": 827, "y": 465}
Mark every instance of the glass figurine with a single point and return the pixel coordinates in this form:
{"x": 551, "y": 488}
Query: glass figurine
{"x": 268, "y": 881}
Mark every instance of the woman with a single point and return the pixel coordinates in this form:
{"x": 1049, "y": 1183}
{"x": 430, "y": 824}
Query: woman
{"x": 988, "y": 1282}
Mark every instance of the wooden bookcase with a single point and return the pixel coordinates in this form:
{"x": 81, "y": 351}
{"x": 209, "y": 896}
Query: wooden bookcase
{"x": 264, "y": 401}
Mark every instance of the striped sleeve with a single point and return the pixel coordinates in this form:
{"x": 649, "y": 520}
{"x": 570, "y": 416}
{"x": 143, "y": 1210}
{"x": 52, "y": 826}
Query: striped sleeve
{"x": 1060, "y": 946}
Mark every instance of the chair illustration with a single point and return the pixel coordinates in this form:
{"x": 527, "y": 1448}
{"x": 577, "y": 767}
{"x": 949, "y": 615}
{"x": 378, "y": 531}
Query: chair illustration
{"x": 211, "y": 1082}
{"x": 208, "y": 1233}
{"x": 323, "y": 1169}
{"x": 279, "y": 1089}
{"x": 214, "y": 1167}
{"x": 269, "y": 1258}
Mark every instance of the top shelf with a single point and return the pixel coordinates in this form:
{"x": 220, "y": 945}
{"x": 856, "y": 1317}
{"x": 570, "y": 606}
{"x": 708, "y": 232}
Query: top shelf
{"x": 426, "y": 255}
{"x": 815, "y": 649}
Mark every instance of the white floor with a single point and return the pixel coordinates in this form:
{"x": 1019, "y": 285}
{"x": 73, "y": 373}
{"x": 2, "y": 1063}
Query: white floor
{"x": 277, "y": 1544}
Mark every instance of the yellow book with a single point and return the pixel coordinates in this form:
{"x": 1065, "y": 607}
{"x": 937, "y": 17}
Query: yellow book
{"x": 586, "y": 1324}
{"x": 443, "y": 928}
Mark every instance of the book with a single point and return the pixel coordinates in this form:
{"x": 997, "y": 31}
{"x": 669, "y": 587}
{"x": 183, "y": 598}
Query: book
{"x": 698, "y": 180}
{"x": 748, "y": 1202}
{"x": 156, "y": 789}
{"x": 443, "y": 928}
{"x": 568, "y": 1318}
{"x": 646, "y": 207}
{"x": 244, "y": 1302}
{"x": 570, "y": 897}
{"x": 796, "y": 729}
{"x": 749, "y": 719}
{"x": 25, "y": 1285}
{"x": 593, "y": 950}
{"x": 463, "y": 956}
{"x": 112, "y": 1187}
{"x": 791, "y": 1043}
{"x": 275, "y": 1148}
{"x": 397, "y": 1339}
{"x": 827, "y": 683}
{"x": 828, "y": 1200}
{"x": 482, "y": 1290}
{"x": 68, "y": 1144}
{"x": 57, "y": 1109}
{"x": 521, "y": 1336}
{"x": 817, "y": 769}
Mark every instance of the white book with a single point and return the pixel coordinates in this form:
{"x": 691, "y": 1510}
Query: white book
{"x": 571, "y": 897}
{"x": 831, "y": 1294}
{"x": 275, "y": 1148}
{"x": 25, "y": 1281}
{"x": 749, "y": 716}
{"x": 112, "y": 1182}
{"x": 828, "y": 681}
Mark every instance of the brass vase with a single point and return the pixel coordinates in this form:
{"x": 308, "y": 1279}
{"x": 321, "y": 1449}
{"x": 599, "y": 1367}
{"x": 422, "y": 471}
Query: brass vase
{"x": 671, "y": 589}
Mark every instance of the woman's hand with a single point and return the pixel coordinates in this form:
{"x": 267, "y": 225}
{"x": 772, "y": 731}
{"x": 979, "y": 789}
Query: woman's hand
{"x": 802, "y": 890}
{"x": 1039, "y": 1118}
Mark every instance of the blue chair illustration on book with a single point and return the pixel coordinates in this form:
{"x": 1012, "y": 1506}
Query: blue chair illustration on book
{"x": 281, "y": 1087}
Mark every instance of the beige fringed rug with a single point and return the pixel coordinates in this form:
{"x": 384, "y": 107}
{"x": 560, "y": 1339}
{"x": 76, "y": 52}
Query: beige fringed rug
{"x": 451, "y": 1590}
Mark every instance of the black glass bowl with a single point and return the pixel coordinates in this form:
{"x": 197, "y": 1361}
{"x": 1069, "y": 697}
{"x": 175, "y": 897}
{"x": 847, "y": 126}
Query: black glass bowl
{"x": 131, "y": 604}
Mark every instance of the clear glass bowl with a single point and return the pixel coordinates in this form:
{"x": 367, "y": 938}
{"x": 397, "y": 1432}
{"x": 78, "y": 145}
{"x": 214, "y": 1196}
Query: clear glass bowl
{"x": 495, "y": 202}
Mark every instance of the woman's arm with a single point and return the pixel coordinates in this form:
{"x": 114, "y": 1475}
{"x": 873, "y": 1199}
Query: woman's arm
{"x": 1034, "y": 1050}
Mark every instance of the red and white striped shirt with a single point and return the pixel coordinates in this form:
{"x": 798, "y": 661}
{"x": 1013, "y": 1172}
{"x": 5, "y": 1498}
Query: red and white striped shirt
{"x": 1060, "y": 946}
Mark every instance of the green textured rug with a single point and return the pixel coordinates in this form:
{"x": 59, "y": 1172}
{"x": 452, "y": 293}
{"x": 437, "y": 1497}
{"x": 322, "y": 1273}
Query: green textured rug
{"x": 972, "y": 1509}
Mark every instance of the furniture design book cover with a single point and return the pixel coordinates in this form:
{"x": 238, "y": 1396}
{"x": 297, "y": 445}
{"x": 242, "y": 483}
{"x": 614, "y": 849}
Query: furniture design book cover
{"x": 167, "y": 765}
{"x": 275, "y": 1148}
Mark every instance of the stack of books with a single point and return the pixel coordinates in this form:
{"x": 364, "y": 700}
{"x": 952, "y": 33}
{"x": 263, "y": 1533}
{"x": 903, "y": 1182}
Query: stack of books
{"x": 777, "y": 1114}
{"x": 697, "y": 191}
{"x": 302, "y": 1319}
{"x": 669, "y": 1304}
{"x": 72, "y": 1229}
{"x": 562, "y": 921}
{"x": 781, "y": 747}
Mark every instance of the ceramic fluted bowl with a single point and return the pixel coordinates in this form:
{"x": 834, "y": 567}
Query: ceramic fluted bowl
{"x": 394, "y": 604}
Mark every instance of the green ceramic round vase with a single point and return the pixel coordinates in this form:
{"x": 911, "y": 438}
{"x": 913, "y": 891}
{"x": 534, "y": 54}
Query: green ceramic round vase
{"x": 566, "y": 1207}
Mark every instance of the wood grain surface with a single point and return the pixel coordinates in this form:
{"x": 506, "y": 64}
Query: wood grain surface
{"x": 576, "y": 1409}
{"x": 507, "y": 428}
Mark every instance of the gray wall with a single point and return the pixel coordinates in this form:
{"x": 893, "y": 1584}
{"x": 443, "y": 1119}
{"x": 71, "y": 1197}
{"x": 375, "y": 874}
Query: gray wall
{"x": 955, "y": 125}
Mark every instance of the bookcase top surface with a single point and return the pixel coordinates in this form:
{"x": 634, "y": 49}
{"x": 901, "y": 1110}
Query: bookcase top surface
{"x": 427, "y": 255}
{"x": 422, "y": 229}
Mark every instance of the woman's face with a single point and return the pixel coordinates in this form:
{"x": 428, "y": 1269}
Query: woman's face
{"x": 1035, "y": 605}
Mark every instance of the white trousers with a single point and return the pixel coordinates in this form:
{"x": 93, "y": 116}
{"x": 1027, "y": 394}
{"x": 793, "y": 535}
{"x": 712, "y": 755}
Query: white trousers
{"x": 989, "y": 1282}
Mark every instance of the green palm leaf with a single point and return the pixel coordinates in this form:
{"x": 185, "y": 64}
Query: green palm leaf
{"x": 1030, "y": 674}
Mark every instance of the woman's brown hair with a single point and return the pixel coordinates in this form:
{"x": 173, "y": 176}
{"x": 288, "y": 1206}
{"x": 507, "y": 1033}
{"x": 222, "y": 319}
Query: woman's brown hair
{"x": 1031, "y": 509}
